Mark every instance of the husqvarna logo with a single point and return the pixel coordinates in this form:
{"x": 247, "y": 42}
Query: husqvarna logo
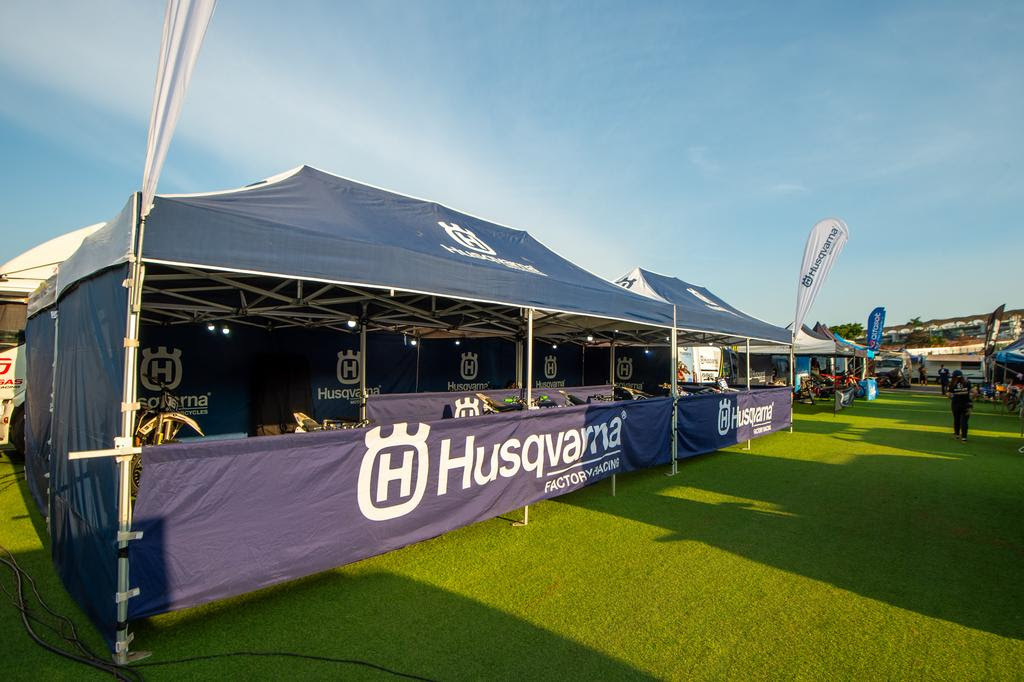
{"x": 731, "y": 416}
{"x": 469, "y": 366}
{"x": 160, "y": 368}
{"x": 724, "y": 416}
{"x": 550, "y": 367}
{"x": 467, "y": 407}
{"x": 626, "y": 282}
{"x": 708, "y": 302}
{"x": 477, "y": 249}
{"x": 467, "y": 238}
{"x": 624, "y": 369}
{"x": 393, "y": 468}
{"x": 348, "y": 367}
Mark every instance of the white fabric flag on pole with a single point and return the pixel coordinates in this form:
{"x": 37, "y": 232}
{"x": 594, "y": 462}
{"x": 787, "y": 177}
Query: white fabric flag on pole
{"x": 185, "y": 26}
{"x": 824, "y": 245}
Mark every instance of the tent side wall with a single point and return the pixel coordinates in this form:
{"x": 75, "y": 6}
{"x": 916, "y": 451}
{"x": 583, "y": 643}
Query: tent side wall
{"x": 40, "y": 334}
{"x": 87, "y": 416}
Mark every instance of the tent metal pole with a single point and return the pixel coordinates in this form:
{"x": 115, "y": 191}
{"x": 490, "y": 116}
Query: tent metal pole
{"x": 792, "y": 369}
{"x": 519, "y": 353}
{"x": 362, "y": 366}
{"x": 529, "y": 357}
{"x": 129, "y": 405}
{"x": 55, "y": 315}
{"x": 611, "y": 365}
{"x": 748, "y": 377}
{"x": 673, "y": 354}
{"x": 416, "y": 388}
{"x": 529, "y": 387}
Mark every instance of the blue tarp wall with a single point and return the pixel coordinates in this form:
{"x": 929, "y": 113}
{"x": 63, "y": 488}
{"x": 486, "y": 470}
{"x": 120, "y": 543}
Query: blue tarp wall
{"x": 39, "y": 334}
{"x": 87, "y": 416}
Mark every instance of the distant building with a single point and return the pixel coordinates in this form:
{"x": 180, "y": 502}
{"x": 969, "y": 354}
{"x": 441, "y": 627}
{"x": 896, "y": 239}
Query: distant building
{"x": 953, "y": 328}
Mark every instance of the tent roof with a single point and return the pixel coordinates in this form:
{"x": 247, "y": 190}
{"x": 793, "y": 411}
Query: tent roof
{"x": 307, "y": 248}
{"x": 22, "y": 274}
{"x": 310, "y": 225}
{"x": 807, "y": 343}
{"x": 1012, "y": 353}
{"x": 698, "y": 309}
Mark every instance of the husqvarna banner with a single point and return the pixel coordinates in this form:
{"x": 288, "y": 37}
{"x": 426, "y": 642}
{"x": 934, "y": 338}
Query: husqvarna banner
{"x": 390, "y": 408}
{"x": 844, "y": 398}
{"x": 992, "y": 329}
{"x": 224, "y": 518}
{"x": 876, "y": 322}
{"x": 824, "y": 245}
{"x": 714, "y": 421}
{"x": 185, "y": 25}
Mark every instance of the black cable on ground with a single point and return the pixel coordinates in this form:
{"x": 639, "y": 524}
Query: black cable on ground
{"x": 288, "y": 654}
{"x": 65, "y": 622}
{"x": 120, "y": 673}
{"x": 66, "y": 630}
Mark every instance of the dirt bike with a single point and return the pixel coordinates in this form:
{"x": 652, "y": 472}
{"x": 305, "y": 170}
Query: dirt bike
{"x": 305, "y": 423}
{"x": 1013, "y": 398}
{"x": 893, "y": 379}
{"x": 627, "y": 393}
{"x": 158, "y": 426}
{"x": 842, "y": 380}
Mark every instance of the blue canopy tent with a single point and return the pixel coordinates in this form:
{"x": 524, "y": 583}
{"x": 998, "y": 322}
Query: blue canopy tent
{"x": 701, "y": 314}
{"x": 302, "y": 250}
{"x": 704, "y": 317}
{"x": 1011, "y": 358}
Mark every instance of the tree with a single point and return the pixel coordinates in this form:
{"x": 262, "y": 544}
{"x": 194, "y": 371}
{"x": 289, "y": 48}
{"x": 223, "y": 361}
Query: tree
{"x": 849, "y": 330}
{"x": 919, "y": 338}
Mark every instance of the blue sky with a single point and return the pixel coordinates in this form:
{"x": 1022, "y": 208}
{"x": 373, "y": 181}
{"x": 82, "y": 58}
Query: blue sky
{"x": 700, "y": 140}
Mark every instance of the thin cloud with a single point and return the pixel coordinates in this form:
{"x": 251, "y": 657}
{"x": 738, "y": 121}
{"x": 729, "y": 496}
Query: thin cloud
{"x": 785, "y": 188}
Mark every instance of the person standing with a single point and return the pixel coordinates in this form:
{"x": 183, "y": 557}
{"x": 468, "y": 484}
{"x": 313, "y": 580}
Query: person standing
{"x": 960, "y": 398}
{"x": 922, "y": 372}
{"x": 944, "y": 378}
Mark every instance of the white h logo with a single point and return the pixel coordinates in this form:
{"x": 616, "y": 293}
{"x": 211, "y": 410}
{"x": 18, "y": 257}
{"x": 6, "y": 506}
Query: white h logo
{"x": 624, "y": 369}
{"x": 411, "y": 469}
{"x": 467, "y": 407}
{"x": 160, "y": 366}
{"x": 724, "y": 416}
{"x": 550, "y": 366}
{"x": 708, "y": 302}
{"x": 348, "y": 367}
{"x": 469, "y": 367}
{"x": 466, "y": 238}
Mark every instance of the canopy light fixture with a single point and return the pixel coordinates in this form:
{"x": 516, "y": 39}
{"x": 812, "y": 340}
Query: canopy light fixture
{"x": 225, "y": 330}
{"x": 590, "y": 337}
{"x": 458, "y": 342}
{"x": 554, "y": 346}
{"x": 211, "y": 327}
{"x": 413, "y": 342}
{"x": 352, "y": 324}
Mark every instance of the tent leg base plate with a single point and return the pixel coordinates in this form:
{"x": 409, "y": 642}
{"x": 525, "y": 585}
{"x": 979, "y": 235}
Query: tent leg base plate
{"x": 131, "y": 657}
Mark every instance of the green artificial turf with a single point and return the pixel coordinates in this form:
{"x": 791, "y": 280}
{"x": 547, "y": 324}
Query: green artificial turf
{"x": 869, "y": 544}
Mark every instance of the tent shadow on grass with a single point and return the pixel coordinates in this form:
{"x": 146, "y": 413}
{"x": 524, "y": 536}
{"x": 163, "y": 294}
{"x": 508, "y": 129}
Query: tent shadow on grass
{"x": 388, "y": 619}
{"x": 357, "y": 612}
{"x": 938, "y": 536}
